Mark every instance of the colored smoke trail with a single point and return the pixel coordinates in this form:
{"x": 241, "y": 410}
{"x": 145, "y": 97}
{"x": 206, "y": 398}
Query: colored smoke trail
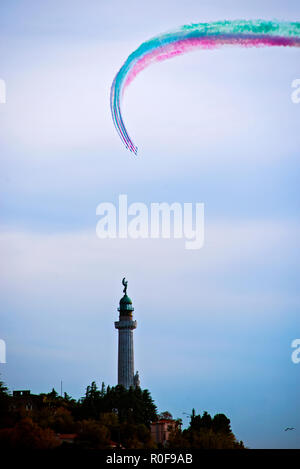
{"x": 256, "y": 33}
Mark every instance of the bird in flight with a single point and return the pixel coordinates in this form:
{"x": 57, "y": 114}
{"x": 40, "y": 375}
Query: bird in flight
{"x": 289, "y": 428}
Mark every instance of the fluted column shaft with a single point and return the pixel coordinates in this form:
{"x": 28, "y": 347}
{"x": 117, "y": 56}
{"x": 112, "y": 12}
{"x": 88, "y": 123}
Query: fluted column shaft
{"x": 125, "y": 352}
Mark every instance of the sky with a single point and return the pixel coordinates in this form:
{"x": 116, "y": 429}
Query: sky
{"x": 218, "y": 127}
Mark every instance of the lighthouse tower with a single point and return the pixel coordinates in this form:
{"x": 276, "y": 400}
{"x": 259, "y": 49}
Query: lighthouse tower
{"x": 126, "y": 325}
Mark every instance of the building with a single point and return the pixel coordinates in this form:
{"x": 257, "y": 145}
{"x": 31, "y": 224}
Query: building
{"x": 23, "y": 399}
{"x": 160, "y": 430}
{"x": 126, "y": 326}
{"x": 68, "y": 438}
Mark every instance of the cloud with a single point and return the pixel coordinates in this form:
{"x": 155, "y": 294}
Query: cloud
{"x": 223, "y": 307}
{"x": 206, "y": 101}
{"x": 77, "y": 268}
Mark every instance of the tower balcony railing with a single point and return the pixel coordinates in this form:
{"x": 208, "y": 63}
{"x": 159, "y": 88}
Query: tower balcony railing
{"x": 125, "y": 324}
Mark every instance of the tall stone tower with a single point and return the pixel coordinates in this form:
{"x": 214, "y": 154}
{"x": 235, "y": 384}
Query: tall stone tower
{"x": 126, "y": 325}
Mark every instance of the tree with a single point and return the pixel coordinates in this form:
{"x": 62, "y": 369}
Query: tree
{"x": 195, "y": 422}
{"x": 4, "y": 405}
{"x": 133, "y": 436}
{"x": 206, "y": 421}
{"x": 205, "y": 433}
{"x": 112, "y": 413}
{"x": 178, "y": 440}
{"x": 28, "y": 435}
{"x": 53, "y": 394}
{"x": 59, "y": 419}
{"x": 103, "y": 390}
{"x": 68, "y": 398}
{"x": 221, "y": 424}
{"x": 132, "y": 405}
{"x": 91, "y": 404}
{"x": 109, "y": 419}
{"x": 3, "y": 389}
{"x": 165, "y": 415}
{"x": 92, "y": 391}
{"x": 93, "y": 435}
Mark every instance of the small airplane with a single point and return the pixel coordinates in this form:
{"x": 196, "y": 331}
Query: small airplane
{"x": 289, "y": 428}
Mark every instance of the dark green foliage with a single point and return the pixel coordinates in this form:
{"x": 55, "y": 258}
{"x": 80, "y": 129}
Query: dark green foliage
{"x": 221, "y": 424}
{"x": 92, "y": 435}
{"x": 53, "y": 394}
{"x": 3, "y": 389}
{"x": 112, "y": 414}
{"x": 101, "y": 419}
{"x": 133, "y": 405}
{"x": 165, "y": 415}
{"x": 5, "y": 418}
{"x": 205, "y": 433}
{"x": 27, "y": 435}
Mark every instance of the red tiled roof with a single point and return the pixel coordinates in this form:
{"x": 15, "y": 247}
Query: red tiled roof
{"x": 164, "y": 421}
{"x": 67, "y": 436}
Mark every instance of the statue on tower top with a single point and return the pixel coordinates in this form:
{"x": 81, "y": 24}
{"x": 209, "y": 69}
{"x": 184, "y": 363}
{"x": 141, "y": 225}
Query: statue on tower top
{"x": 136, "y": 380}
{"x": 124, "y": 283}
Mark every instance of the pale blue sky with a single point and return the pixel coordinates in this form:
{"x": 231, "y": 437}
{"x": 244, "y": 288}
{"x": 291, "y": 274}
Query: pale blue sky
{"x": 219, "y": 127}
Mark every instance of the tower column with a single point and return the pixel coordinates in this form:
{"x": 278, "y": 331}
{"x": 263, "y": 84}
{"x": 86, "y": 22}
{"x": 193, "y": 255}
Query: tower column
{"x": 126, "y": 326}
{"x": 125, "y": 353}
